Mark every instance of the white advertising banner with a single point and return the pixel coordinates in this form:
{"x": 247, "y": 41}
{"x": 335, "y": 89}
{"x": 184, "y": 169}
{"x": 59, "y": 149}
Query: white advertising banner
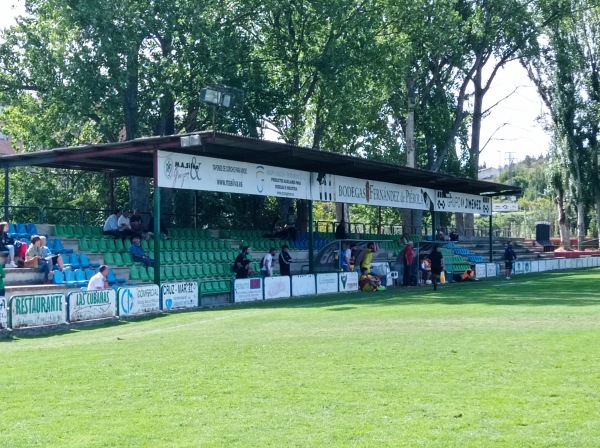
{"x": 462, "y": 203}
{"x": 3, "y": 313}
{"x": 277, "y": 287}
{"x": 480, "y": 270}
{"x": 490, "y": 269}
{"x": 303, "y": 285}
{"x": 565, "y": 263}
{"x": 535, "y": 266}
{"x": 179, "y": 295}
{"x": 505, "y": 207}
{"x": 587, "y": 262}
{"x": 348, "y": 281}
{"x": 88, "y": 305}
{"x": 518, "y": 267}
{"x": 541, "y": 265}
{"x": 327, "y": 283}
{"x": 552, "y": 265}
{"x": 330, "y": 187}
{"x": 191, "y": 172}
{"x": 139, "y": 300}
{"x": 579, "y": 263}
{"x": 37, "y": 309}
{"x": 247, "y": 290}
{"x": 527, "y": 267}
{"x": 595, "y": 261}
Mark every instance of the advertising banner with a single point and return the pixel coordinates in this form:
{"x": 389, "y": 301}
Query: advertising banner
{"x": 462, "y": 203}
{"x": 329, "y": 187}
{"x": 37, "y": 309}
{"x": 552, "y": 265}
{"x": 277, "y": 287}
{"x": 535, "y": 266}
{"x": 526, "y": 267}
{"x": 327, "y": 283}
{"x": 541, "y": 265}
{"x": 247, "y": 290}
{"x": 480, "y": 270}
{"x": 191, "y": 172}
{"x": 139, "y": 300}
{"x": 518, "y": 267}
{"x": 579, "y": 263}
{"x": 348, "y": 281}
{"x": 565, "y": 263}
{"x": 3, "y": 313}
{"x": 303, "y": 285}
{"x": 491, "y": 269}
{"x": 88, "y": 305}
{"x": 179, "y": 295}
{"x": 505, "y": 207}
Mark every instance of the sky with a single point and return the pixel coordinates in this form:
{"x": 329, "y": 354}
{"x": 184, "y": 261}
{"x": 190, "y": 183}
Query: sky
{"x": 509, "y": 132}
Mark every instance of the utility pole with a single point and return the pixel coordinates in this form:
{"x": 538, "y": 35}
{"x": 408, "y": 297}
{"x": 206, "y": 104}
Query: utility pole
{"x": 510, "y": 163}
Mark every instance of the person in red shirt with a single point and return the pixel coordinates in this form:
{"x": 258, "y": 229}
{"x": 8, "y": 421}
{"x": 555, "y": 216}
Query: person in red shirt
{"x": 408, "y": 255}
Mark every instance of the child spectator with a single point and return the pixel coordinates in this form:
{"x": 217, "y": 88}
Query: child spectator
{"x": 368, "y": 282}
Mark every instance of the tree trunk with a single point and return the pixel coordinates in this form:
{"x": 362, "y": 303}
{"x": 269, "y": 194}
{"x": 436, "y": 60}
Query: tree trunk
{"x": 563, "y": 228}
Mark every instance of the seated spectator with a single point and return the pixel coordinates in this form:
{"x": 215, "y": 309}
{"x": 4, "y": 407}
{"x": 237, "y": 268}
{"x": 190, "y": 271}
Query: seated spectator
{"x": 35, "y": 258}
{"x": 138, "y": 254}
{"x": 290, "y": 224}
{"x": 453, "y": 235}
{"x": 441, "y": 236}
{"x": 53, "y": 259}
{"x": 98, "y": 280}
{"x": 125, "y": 226}
{"x": 111, "y": 225}
{"x": 346, "y": 258}
{"x": 164, "y": 231}
{"x": 245, "y": 271}
{"x": 136, "y": 224}
{"x": 469, "y": 275}
{"x": 425, "y": 268}
{"x": 368, "y": 282}
{"x": 7, "y": 244}
{"x": 340, "y": 231}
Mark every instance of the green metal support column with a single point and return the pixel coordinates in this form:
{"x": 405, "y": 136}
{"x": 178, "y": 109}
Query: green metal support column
{"x": 433, "y": 225}
{"x": 310, "y": 238}
{"x": 156, "y": 217}
{"x": 6, "y": 194}
{"x": 490, "y": 234}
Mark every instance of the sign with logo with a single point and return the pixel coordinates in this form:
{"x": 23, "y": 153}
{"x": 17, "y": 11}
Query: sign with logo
{"x": 518, "y": 267}
{"x": 505, "y": 207}
{"x": 480, "y": 270}
{"x": 329, "y": 187}
{"x": 3, "y": 313}
{"x": 327, "y": 283}
{"x": 491, "y": 269}
{"x": 139, "y": 300}
{"x": 277, "y": 287}
{"x": 191, "y": 172}
{"x": 247, "y": 290}
{"x": 535, "y": 266}
{"x": 462, "y": 203}
{"x": 303, "y": 285}
{"x": 88, "y": 305}
{"x": 37, "y": 310}
{"x": 348, "y": 281}
{"x": 179, "y": 295}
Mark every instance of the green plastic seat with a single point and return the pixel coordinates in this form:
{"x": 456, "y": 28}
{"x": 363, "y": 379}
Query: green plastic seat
{"x": 84, "y": 245}
{"x": 109, "y": 259}
{"x": 134, "y": 274}
{"x": 144, "y": 275}
{"x": 118, "y": 260}
{"x": 169, "y": 275}
{"x": 217, "y": 256}
{"x": 177, "y": 272}
{"x": 206, "y": 270}
{"x": 176, "y": 257}
{"x": 168, "y": 258}
{"x": 185, "y": 271}
{"x": 207, "y": 287}
{"x": 119, "y": 246}
{"x": 184, "y": 257}
{"x": 94, "y": 246}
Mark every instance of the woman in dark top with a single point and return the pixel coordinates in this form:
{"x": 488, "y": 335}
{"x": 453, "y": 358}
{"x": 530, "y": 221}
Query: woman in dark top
{"x": 437, "y": 264}
{"x": 7, "y": 244}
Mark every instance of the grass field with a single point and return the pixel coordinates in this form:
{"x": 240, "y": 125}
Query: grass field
{"x": 488, "y": 364}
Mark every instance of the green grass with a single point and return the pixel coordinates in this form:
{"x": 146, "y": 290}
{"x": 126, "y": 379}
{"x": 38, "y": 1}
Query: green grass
{"x": 488, "y": 364}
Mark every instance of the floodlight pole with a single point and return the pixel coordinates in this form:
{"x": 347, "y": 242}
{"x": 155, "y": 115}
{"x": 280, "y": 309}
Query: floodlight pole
{"x": 6, "y": 194}
{"x": 310, "y": 238}
{"x": 490, "y": 236}
{"x": 156, "y": 217}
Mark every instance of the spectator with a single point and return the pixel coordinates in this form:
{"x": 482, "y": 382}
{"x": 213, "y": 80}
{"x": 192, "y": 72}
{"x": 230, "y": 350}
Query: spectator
{"x": 290, "y": 224}
{"x": 453, "y": 235}
{"x": 340, "y": 231}
{"x": 242, "y": 256}
{"x": 437, "y": 264}
{"x": 2, "y": 275}
{"x": 98, "y": 280}
{"x": 372, "y": 248}
{"x": 425, "y": 268}
{"x": 441, "y": 236}
{"x": 285, "y": 260}
{"x": 266, "y": 267}
{"x": 138, "y": 254}
{"x": 35, "y": 258}
{"x": 53, "y": 259}
{"x": 111, "y": 225}
{"x": 408, "y": 255}
{"x": 164, "y": 231}
{"x": 509, "y": 257}
{"x": 244, "y": 271}
{"x": 346, "y": 258}
{"x": 404, "y": 240}
{"x": 136, "y": 223}
{"x": 368, "y": 282}
{"x": 469, "y": 275}
{"x": 7, "y": 244}
{"x": 125, "y": 226}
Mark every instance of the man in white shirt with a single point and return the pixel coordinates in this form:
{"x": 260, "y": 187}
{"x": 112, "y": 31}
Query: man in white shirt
{"x": 111, "y": 225}
{"x": 98, "y": 281}
{"x": 267, "y": 268}
{"x": 125, "y": 226}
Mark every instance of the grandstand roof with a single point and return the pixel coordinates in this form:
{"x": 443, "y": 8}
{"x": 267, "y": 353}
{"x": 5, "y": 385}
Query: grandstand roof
{"x": 136, "y": 158}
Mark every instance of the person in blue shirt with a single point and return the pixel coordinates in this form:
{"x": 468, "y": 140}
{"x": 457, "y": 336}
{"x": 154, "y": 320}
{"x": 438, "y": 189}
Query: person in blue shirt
{"x": 509, "y": 258}
{"x": 138, "y": 254}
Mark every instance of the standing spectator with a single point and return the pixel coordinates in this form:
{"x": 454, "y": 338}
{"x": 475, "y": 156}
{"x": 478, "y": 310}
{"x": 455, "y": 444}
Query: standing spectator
{"x": 98, "y": 280}
{"x": 509, "y": 258}
{"x": 437, "y": 264}
{"x": 266, "y": 268}
{"x": 244, "y": 271}
{"x": 408, "y": 255}
{"x": 53, "y": 259}
{"x": 138, "y": 254}
{"x": 35, "y": 258}
{"x": 340, "y": 231}
{"x": 242, "y": 256}
{"x": 7, "y": 244}
{"x": 285, "y": 260}
{"x": 290, "y": 224}
{"x": 404, "y": 240}
{"x": 346, "y": 261}
{"x": 111, "y": 225}
{"x": 453, "y": 235}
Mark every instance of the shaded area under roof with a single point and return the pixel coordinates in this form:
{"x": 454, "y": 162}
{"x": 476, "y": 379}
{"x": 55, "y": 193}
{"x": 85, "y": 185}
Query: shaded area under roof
{"x": 135, "y": 158}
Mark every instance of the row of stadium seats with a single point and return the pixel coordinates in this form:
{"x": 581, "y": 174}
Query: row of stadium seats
{"x": 118, "y": 245}
{"x": 174, "y": 257}
{"x": 181, "y": 273}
